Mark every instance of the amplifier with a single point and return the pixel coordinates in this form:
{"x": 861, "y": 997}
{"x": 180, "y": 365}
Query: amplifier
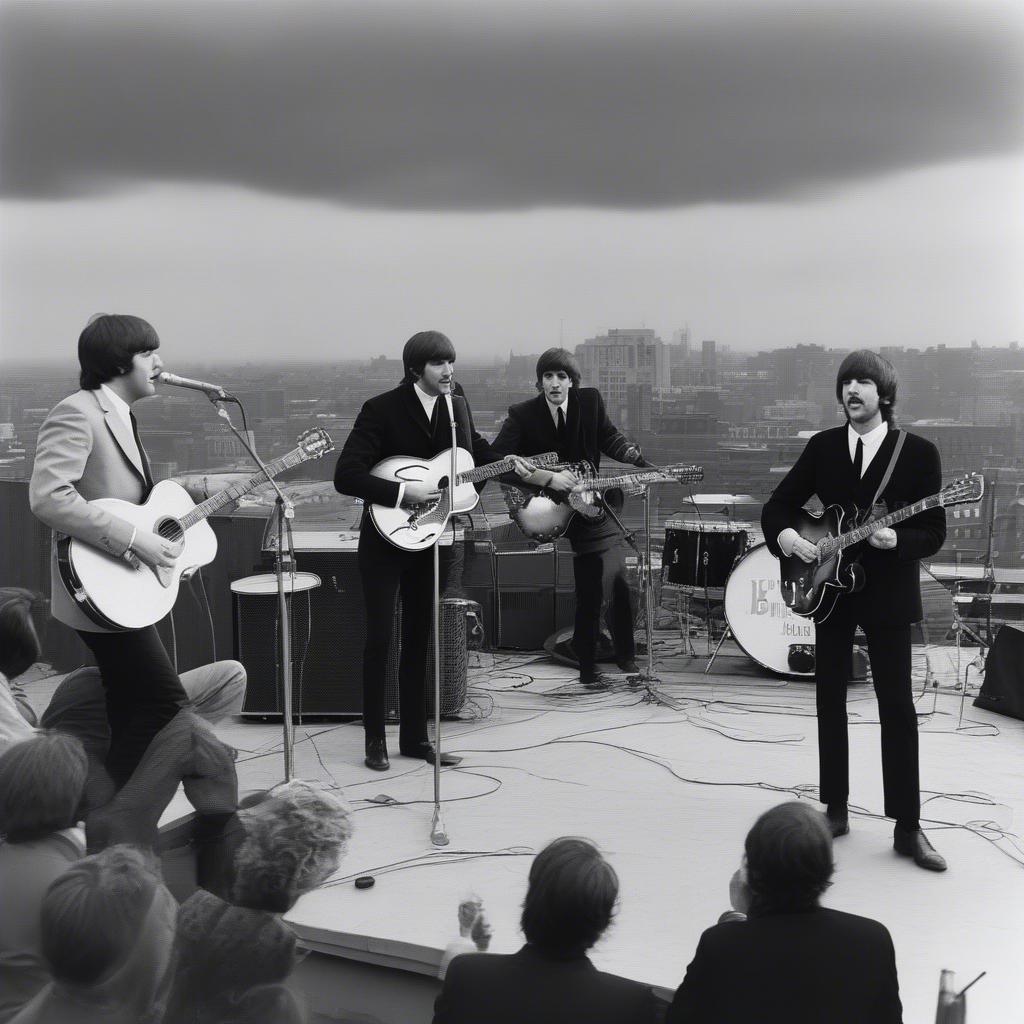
{"x": 524, "y": 597}
{"x": 328, "y": 636}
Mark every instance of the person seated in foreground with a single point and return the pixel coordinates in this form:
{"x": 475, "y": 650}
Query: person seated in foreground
{"x": 234, "y": 951}
{"x": 42, "y": 780}
{"x": 107, "y": 927}
{"x": 569, "y": 904}
{"x": 474, "y": 933}
{"x": 791, "y": 959}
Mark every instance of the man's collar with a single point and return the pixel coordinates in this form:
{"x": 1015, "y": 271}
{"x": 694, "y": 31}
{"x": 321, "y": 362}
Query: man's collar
{"x": 121, "y": 407}
{"x": 875, "y": 436}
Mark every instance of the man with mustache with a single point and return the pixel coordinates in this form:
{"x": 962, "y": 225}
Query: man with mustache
{"x": 844, "y": 466}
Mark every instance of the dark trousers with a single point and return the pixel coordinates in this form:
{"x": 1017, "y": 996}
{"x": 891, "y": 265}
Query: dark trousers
{"x": 388, "y": 572}
{"x": 600, "y": 573}
{"x": 889, "y": 654}
{"x": 143, "y": 693}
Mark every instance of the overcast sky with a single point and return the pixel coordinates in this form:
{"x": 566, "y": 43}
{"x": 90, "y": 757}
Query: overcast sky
{"x": 309, "y": 180}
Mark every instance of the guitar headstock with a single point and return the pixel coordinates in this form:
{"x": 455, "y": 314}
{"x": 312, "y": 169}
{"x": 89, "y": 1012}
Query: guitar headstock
{"x": 964, "y": 491}
{"x": 314, "y": 443}
{"x": 684, "y": 474}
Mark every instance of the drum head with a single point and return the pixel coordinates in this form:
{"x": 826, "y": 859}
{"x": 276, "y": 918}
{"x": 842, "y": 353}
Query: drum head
{"x": 266, "y": 583}
{"x": 764, "y": 627}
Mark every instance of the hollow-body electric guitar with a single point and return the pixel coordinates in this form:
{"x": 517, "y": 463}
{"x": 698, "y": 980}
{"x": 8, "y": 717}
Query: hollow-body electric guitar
{"x": 544, "y": 516}
{"x": 811, "y": 589}
{"x": 118, "y": 594}
{"x": 416, "y": 527}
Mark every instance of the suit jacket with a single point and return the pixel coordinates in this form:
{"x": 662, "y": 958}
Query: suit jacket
{"x": 528, "y": 986}
{"x": 589, "y": 433}
{"x": 394, "y": 423}
{"x": 892, "y": 592}
{"x": 84, "y": 451}
{"x": 813, "y": 967}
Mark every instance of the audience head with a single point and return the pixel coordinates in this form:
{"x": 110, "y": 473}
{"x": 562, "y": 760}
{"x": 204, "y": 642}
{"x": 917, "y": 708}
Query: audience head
{"x": 42, "y": 780}
{"x": 294, "y": 840}
{"x": 469, "y": 909}
{"x": 107, "y": 344}
{"x": 788, "y": 859}
{"x": 19, "y": 641}
{"x": 571, "y": 898}
{"x": 555, "y": 359}
{"x": 863, "y": 364}
{"x": 108, "y": 929}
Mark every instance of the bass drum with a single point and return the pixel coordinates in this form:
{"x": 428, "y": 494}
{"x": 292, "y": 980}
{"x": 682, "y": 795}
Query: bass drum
{"x": 765, "y": 628}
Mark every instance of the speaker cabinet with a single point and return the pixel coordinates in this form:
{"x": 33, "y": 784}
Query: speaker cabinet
{"x": 1003, "y": 688}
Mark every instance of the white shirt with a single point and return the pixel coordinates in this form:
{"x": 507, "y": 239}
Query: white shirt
{"x": 553, "y": 409}
{"x": 872, "y": 442}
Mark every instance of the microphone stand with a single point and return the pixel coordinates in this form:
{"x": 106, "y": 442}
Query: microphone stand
{"x": 438, "y": 832}
{"x": 285, "y": 513}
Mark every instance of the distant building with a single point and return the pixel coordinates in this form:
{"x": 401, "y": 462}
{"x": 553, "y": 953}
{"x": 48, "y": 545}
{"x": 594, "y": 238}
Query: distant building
{"x": 614, "y": 361}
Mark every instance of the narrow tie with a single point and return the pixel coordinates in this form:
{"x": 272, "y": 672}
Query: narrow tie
{"x": 858, "y": 459}
{"x": 561, "y": 424}
{"x": 146, "y": 472}
{"x": 433, "y": 416}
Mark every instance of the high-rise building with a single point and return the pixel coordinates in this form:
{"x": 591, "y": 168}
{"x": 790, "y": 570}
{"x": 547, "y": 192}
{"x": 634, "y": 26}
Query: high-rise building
{"x": 614, "y": 361}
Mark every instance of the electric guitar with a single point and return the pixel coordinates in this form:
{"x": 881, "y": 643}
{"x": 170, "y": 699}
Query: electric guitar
{"x": 544, "y": 517}
{"x": 811, "y": 589}
{"x": 416, "y": 527}
{"x": 120, "y": 595}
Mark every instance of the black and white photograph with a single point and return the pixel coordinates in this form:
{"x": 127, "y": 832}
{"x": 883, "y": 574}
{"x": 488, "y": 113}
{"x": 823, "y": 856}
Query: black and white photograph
{"x": 511, "y": 511}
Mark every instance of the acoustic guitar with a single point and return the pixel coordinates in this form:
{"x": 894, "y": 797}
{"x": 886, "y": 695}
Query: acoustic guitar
{"x": 811, "y": 589}
{"x": 121, "y": 595}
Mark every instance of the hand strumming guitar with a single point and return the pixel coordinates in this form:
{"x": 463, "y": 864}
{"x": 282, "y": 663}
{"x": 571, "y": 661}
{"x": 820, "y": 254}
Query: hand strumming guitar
{"x": 153, "y": 550}
{"x": 884, "y": 539}
{"x": 420, "y": 493}
{"x": 562, "y": 482}
{"x": 791, "y": 543}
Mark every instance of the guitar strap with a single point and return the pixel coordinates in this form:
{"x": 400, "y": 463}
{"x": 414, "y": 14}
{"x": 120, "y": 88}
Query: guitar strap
{"x": 901, "y": 437}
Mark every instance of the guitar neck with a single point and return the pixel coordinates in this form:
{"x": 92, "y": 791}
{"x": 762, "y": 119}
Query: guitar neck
{"x": 478, "y": 473}
{"x": 236, "y": 491}
{"x": 855, "y": 536}
{"x": 600, "y": 483}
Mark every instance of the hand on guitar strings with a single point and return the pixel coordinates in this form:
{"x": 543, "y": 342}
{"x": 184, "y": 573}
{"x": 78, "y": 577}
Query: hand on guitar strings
{"x": 153, "y": 550}
{"x": 562, "y": 482}
{"x": 804, "y": 549}
{"x": 523, "y": 467}
{"x": 419, "y": 492}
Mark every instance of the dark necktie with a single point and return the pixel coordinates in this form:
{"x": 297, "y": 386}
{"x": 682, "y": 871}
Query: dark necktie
{"x": 142, "y": 452}
{"x": 433, "y": 416}
{"x": 858, "y": 459}
{"x": 561, "y": 425}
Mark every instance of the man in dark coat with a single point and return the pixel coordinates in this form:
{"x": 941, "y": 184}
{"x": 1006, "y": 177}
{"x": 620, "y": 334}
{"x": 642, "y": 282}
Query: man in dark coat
{"x": 414, "y": 420}
{"x": 790, "y": 959}
{"x": 573, "y": 421}
{"x": 845, "y": 466}
{"x": 551, "y": 980}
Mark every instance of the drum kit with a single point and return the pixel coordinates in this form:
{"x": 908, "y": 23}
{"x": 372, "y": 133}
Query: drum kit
{"x": 717, "y": 562}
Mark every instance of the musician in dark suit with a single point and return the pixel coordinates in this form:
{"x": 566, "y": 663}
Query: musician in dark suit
{"x": 551, "y": 980}
{"x": 573, "y": 421}
{"x": 88, "y": 447}
{"x": 788, "y": 958}
{"x": 844, "y": 466}
{"x": 413, "y": 419}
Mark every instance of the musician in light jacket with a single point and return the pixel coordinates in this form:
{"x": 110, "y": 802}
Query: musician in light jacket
{"x": 573, "y": 421}
{"x": 87, "y": 448}
{"x": 413, "y": 420}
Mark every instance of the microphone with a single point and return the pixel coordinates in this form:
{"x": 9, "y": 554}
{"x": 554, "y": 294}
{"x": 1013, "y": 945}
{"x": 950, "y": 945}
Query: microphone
{"x": 213, "y": 390}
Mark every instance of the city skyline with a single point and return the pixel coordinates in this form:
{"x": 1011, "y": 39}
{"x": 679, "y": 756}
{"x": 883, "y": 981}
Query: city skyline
{"x": 319, "y": 181}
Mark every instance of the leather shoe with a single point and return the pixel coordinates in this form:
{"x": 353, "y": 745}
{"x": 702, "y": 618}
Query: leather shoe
{"x": 838, "y": 821}
{"x": 425, "y": 751}
{"x": 628, "y": 665}
{"x": 377, "y": 755}
{"x": 914, "y": 843}
{"x": 594, "y": 680}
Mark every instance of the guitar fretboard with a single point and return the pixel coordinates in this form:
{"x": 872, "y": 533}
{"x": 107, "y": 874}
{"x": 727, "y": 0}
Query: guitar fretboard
{"x": 830, "y": 545}
{"x": 478, "y": 473}
{"x": 235, "y": 491}
{"x": 601, "y": 483}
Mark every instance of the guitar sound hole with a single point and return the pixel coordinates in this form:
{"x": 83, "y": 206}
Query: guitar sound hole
{"x": 170, "y": 529}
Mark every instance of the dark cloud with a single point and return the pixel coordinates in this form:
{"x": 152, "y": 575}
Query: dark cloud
{"x": 419, "y": 105}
